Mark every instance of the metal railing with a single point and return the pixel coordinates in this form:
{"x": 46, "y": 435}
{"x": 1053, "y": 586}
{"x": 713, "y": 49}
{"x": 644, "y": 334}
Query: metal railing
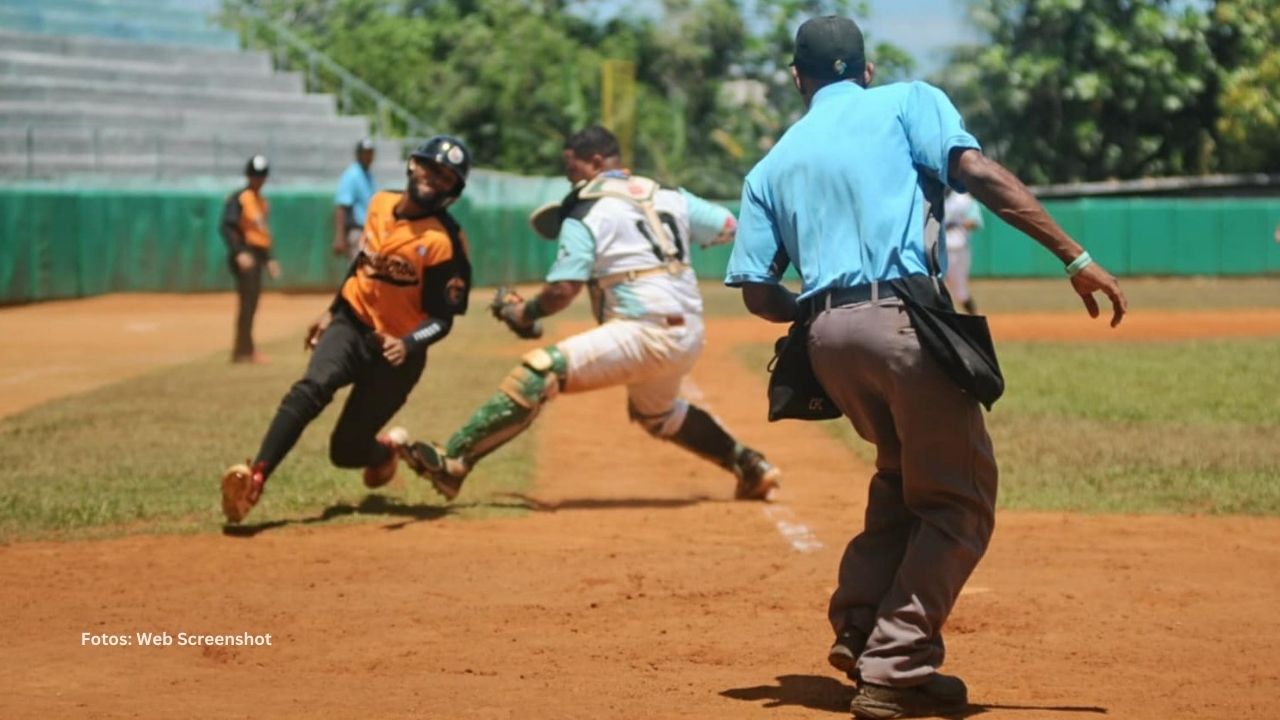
{"x": 322, "y": 73}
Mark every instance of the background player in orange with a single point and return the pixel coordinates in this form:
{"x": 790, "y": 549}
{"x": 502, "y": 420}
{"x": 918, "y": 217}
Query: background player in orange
{"x": 248, "y": 237}
{"x": 411, "y": 277}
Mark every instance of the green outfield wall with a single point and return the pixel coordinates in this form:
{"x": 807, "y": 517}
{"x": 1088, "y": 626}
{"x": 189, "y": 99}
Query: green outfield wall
{"x": 1144, "y": 236}
{"x": 58, "y": 242}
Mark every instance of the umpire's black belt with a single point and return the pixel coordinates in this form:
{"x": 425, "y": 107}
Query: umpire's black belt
{"x": 839, "y": 297}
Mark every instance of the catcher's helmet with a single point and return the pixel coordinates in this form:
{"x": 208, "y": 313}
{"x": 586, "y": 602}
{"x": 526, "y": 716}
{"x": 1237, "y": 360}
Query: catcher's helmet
{"x": 447, "y": 151}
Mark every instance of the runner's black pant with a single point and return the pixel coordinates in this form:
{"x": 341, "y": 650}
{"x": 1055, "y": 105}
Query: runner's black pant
{"x": 346, "y": 354}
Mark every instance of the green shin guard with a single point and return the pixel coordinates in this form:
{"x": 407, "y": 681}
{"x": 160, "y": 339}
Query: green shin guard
{"x": 494, "y": 423}
{"x": 507, "y": 413}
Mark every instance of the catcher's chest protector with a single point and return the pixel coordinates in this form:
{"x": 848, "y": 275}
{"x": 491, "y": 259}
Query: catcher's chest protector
{"x": 641, "y": 192}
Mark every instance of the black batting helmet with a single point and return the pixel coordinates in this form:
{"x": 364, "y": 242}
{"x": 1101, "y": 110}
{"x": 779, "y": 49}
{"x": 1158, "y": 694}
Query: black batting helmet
{"x": 448, "y": 151}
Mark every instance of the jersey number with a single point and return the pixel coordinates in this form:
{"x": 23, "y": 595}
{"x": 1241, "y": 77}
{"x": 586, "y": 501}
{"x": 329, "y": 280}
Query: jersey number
{"x": 670, "y": 221}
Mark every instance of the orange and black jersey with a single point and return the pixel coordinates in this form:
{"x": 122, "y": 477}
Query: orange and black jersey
{"x": 411, "y": 276}
{"x": 244, "y": 222}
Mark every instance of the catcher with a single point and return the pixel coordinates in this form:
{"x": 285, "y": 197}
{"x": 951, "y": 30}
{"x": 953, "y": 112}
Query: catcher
{"x": 410, "y": 278}
{"x": 626, "y": 240}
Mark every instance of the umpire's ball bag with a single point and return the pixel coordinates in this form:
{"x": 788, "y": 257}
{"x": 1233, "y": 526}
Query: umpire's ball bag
{"x": 960, "y": 343}
{"x": 794, "y": 391}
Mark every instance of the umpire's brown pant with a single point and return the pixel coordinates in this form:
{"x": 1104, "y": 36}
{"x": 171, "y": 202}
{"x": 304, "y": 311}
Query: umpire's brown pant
{"x": 931, "y": 506}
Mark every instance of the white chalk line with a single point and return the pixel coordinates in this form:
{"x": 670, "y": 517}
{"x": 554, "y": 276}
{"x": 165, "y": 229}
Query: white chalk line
{"x": 800, "y": 537}
{"x": 796, "y": 533}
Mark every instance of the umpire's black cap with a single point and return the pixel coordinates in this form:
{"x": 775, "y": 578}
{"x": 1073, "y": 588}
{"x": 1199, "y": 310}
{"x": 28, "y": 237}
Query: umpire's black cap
{"x": 830, "y": 48}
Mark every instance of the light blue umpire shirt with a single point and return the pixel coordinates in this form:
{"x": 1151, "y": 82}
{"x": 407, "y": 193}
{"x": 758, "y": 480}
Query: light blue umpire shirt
{"x": 840, "y": 196}
{"x": 355, "y": 188}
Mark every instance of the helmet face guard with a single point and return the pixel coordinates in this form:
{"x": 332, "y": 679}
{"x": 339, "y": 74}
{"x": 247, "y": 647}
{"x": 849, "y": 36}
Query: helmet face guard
{"x": 450, "y": 152}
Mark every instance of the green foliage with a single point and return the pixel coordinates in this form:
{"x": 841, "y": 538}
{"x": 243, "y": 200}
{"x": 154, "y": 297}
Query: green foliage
{"x": 513, "y": 77}
{"x": 1070, "y": 90}
{"x": 1088, "y": 89}
{"x": 1249, "y": 45}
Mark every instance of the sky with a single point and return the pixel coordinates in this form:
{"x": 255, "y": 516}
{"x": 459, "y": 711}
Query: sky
{"x": 924, "y": 28}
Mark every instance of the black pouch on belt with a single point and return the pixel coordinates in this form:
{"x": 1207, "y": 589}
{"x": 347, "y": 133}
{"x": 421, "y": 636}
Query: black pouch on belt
{"x": 794, "y": 391}
{"x": 960, "y": 343}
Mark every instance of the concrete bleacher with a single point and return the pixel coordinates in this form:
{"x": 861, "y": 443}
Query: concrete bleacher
{"x": 149, "y": 89}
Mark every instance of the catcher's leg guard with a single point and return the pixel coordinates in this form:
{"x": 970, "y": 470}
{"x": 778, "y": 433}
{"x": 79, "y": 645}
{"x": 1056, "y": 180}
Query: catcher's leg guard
{"x": 703, "y": 435}
{"x": 522, "y": 393}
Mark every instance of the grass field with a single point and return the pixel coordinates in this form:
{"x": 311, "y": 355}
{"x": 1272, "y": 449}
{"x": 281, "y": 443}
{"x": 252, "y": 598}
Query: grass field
{"x": 147, "y": 453}
{"x": 1047, "y": 295}
{"x": 1151, "y": 427}
{"x": 1186, "y": 427}
{"x": 1181, "y": 427}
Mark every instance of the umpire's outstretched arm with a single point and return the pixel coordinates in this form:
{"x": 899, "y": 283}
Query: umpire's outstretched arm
{"x": 1005, "y": 195}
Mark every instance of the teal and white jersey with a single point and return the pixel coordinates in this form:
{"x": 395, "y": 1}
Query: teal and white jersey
{"x": 607, "y": 235}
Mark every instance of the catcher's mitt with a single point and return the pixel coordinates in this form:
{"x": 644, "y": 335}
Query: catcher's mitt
{"x": 505, "y": 307}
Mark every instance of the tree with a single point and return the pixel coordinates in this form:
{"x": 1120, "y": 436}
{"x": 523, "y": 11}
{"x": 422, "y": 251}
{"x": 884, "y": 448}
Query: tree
{"x": 1247, "y": 42}
{"x": 513, "y": 77}
{"x": 1069, "y": 90}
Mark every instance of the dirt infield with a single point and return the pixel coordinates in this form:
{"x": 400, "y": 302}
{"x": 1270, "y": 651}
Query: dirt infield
{"x": 636, "y": 590}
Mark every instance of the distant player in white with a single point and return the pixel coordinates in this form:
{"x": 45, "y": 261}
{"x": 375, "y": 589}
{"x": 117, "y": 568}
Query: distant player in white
{"x": 961, "y": 216}
{"x": 627, "y": 241}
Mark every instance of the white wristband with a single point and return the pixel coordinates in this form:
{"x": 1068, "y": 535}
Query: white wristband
{"x": 1080, "y": 263}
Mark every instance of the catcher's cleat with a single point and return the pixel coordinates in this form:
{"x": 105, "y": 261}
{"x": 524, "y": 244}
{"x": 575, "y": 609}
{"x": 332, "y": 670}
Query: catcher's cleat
{"x": 241, "y": 489}
{"x": 757, "y": 478}
{"x": 375, "y": 476}
{"x": 431, "y": 462}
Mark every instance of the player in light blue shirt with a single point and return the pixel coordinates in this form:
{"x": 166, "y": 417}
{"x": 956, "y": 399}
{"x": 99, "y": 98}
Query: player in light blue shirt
{"x": 842, "y": 197}
{"x": 356, "y": 187}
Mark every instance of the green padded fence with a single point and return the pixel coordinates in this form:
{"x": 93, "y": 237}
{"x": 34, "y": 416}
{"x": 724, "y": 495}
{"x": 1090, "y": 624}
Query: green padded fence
{"x": 59, "y": 242}
{"x": 1144, "y": 236}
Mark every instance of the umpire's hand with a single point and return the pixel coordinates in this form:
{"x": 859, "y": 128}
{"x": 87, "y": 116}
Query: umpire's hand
{"x": 1094, "y": 278}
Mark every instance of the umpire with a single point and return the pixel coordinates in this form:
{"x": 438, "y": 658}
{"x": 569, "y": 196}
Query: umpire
{"x": 842, "y": 197}
{"x": 248, "y": 236}
{"x": 351, "y": 201}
